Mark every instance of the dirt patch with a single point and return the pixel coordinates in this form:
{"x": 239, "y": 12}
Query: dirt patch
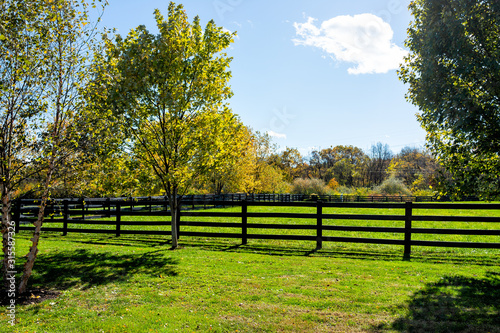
{"x": 31, "y": 296}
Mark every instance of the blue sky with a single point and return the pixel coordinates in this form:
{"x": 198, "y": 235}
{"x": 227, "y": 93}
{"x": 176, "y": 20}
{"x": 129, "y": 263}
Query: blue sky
{"x": 311, "y": 73}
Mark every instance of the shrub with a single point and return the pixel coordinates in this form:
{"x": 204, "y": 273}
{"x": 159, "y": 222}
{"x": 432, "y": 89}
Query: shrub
{"x": 362, "y": 191}
{"x": 309, "y": 186}
{"x": 424, "y": 193}
{"x": 392, "y": 186}
{"x": 333, "y": 184}
{"x": 345, "y": 190}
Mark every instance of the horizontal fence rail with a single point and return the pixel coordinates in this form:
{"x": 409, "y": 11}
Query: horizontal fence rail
{"x": 97, "y": 215}
{"x": 273, "y": 197}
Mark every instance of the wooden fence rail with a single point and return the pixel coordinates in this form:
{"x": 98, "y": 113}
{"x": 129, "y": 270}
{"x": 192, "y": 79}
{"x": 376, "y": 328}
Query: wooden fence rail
{"x": 110, "y": 212}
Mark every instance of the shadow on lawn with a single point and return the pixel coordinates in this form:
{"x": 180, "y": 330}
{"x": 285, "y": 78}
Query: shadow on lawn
{"x": 154, "y": 241}
{"x": 124, "y": 240}
{"x": 66, "y": 269}
{"x": 346, "y": 253}
{"x": 453, "y": 304}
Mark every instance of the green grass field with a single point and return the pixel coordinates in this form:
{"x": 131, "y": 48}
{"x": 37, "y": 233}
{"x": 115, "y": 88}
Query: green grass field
{"x": 137, "y": 284}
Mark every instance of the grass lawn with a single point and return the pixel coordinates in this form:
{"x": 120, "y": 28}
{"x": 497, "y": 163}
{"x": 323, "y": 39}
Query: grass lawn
{"x": 137, "y": 284}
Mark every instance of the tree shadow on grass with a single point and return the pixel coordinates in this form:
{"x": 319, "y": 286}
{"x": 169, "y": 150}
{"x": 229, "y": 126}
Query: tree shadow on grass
{"x": 107, "y": 239}
{"x": 345, "y": 252}
{"x": 453, "y": 304}
{"x": 84, "y": 268}
{"x": 305, "y": 249}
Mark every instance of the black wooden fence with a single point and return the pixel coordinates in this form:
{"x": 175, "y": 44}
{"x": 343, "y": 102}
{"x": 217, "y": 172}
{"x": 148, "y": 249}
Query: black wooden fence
{"x": 71, "y": 214}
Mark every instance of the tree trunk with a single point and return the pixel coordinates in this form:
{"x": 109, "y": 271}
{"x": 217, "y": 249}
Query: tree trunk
{"x": 6, "y": 224}
{"x": 28, "y": 266}
{"x": 174, "y": 203}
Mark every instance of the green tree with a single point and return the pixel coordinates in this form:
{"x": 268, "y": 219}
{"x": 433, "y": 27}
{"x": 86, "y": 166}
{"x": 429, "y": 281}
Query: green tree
{"x": 63, "y": 124}
{"x": 453, "y": 74}
{"x": 172, "y": 87}
{"x": 22, "y": 80}
{"x": 344, "y": 163}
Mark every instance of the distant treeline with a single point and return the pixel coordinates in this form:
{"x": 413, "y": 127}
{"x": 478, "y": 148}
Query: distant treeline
{"x": 262, "y": 168}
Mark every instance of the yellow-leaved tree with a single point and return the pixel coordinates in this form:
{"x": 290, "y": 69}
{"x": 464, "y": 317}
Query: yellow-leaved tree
{"x": 171, "y": 89}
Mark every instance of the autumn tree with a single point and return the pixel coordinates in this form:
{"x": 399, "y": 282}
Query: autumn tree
{"x": 290, "y": 162}
{"x": 172, "y": 88}
{"x": 266, "y": 175}
{"x": 417, "y": 168}
{"x": 231, "y": 171}
{"x": 453, "y": 73}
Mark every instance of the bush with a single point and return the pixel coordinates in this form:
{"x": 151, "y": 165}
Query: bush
{"x": 392, "y": 186}
{"x": 333, "y": 184}
{"x": 424, "y": 193}
{"x": 309, "y": 186}
{"x": 363, "y": 191}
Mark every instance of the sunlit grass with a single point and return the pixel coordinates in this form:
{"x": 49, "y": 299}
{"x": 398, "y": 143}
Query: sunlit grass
{"x": 136, "y": 284}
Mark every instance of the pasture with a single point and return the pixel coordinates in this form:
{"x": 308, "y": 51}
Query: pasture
{"x": 135, "y": 283}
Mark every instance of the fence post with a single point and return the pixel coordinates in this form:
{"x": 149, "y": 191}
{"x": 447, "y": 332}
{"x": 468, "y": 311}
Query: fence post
{"x": 118, "y": 218}
{"x": 178, "y": 220}
{"x": 408, "y": 218}
{"x": 244, "y": 232}
{"x": 65, "y": 217}
{"x": 17, "y": 214}
{"x": 319, "y": 225}
{"x": 108, "y": 204}
{"x": 83, "y": 208}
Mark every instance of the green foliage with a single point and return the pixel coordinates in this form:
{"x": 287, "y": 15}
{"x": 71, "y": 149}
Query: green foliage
{"x": 44, "y": 69}
{"x": 25, "y": 66}
{"x": 344, "y": 163}
{"x": 171, "y": 88}
{"x": 362, "y": 191}
{"x": 232, "y": 171}
{"x": 453, "y": 75}
{"x": 468, "y": 172}
{"x": 424, "y": 193}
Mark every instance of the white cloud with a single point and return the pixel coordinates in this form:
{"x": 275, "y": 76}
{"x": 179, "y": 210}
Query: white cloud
{"x": 276, "y": 135}
{"x": 365, "y": 40}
